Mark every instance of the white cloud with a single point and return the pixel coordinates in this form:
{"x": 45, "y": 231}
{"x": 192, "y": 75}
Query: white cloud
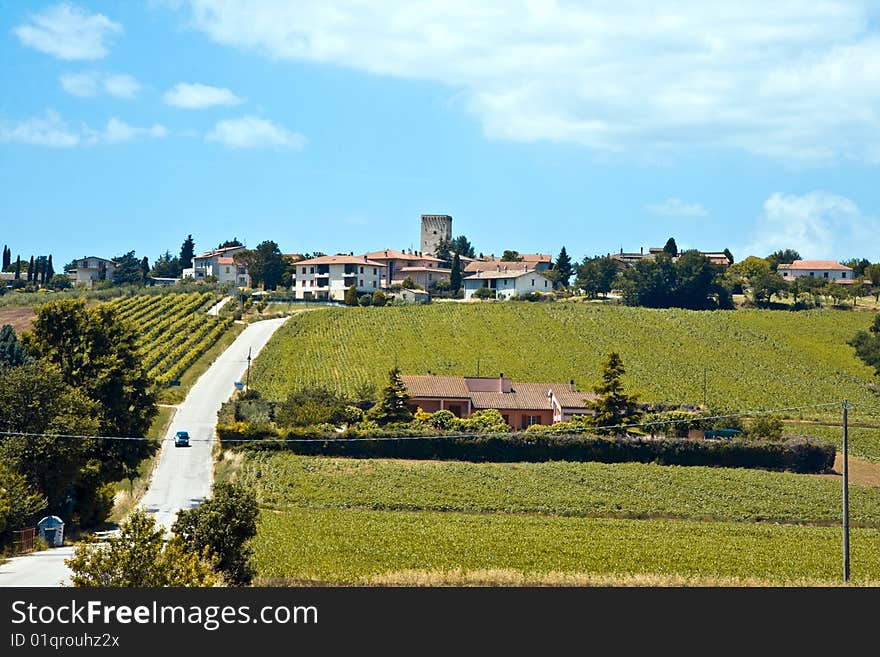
{"x": 84, "y": 85}
{"x": 254, "y": 132}
{"x": 88, "y": 83}
{"x": 819, "y": 225}
{"x": 52, "y": 131}
{"x": 200, "y": 96}
{"x": 796, "y": 80}
{"x": 67, "y": 32}
{"x": 675, "y": 207}
{"x": 121, "y": 85}
{"x": 49, "y": 130}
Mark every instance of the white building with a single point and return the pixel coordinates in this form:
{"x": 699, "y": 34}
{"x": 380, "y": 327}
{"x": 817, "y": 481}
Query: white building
{"x": 829, "y": 269}
{"x": 220, "y": 264}
{"x": 91, "y": 269}
{"x": 328, "y": 277}
{"x": 507, "y": 283}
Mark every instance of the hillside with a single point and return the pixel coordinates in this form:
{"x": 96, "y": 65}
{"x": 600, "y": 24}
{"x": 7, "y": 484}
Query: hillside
{"x": 752, "y": 358}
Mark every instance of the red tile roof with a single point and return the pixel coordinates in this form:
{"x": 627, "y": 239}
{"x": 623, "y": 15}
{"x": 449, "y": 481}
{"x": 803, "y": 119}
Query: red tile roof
{"x": 523, "y": 396}
{"x": 819, "y": 265}
{"x": 341, "y": 260}
{"x": 391, "y": 254}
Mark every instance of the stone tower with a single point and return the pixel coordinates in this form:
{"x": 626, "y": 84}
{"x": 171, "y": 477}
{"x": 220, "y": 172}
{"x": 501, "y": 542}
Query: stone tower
{"x": 435, "y": 227}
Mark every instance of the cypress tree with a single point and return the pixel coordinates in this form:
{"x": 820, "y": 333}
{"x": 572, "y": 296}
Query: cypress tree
{"x": 18, "y": 268}
{"x": 50, "y": 270}
{"x": 145, "y": 268}
{"x": 7, "y": 257}
{"x": 187, "y": 251}
{"x": 455, "y": 275}
{"x": 562, "y": 270}
{"x": 31, "y": 270}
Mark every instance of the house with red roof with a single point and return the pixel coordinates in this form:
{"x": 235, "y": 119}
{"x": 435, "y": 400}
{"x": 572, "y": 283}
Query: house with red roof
{"x": 423, "y": 269}
{"x": 520, "y": 404}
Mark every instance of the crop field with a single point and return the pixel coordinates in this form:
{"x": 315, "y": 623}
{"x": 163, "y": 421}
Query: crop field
{"x": 357, "y": 520}
{"x": 752, "y": 359}
{"x": 620, "y": 490}
{"x": 175, "y": 330}
{"x": 351, "y": 546}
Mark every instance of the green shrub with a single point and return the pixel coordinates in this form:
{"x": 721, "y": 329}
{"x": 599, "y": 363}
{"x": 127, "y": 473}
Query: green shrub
{"x": 796, "y": 455}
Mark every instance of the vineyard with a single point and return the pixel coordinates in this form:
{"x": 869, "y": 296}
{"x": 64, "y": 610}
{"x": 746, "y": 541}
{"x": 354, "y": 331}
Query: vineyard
{"x": 622, "y": 490}
{"x": 368, "y": 521}
{"x": 356, "y": 546}
{"x": 740, "y": 360}
{"x": 175, "y": 330}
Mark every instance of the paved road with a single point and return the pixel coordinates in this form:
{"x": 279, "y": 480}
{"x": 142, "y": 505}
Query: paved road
{"x": 182, "y": 477}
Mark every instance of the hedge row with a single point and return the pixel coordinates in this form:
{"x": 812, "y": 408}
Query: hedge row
{"x": 796, "y": 454}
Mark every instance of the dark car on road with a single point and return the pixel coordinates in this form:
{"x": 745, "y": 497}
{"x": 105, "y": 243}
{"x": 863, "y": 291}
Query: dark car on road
{"x": 181, "y": 439}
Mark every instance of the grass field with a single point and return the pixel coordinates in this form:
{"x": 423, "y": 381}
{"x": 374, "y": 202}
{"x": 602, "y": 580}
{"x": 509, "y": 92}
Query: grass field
{"x": 349, "y": 520}
{"x": 753, "y": 359}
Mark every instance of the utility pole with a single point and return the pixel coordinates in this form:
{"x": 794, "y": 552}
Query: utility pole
{"x": 247, "y": 381}
{"x": 845, "y": 497}
{"x": 705, "y": 375}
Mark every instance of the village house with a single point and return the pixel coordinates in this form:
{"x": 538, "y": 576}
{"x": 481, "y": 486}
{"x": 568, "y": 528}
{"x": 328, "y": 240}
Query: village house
{"x": 527, "y": 261}
{"x": 424, "y": 270}
{"x": 507, "y": 282}
{"x": 829, "y": 269}
{"x": 329, "y": 277}
{"x": 626, "y": 260}
{"x": 91, "y": 269}
{"x": 520, "y": 404}
{"x": 220, "y": 264}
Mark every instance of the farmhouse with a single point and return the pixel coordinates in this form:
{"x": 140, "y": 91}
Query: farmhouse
{"x": 829, "y": 269}
{"x": 507, "y": 282}
{"x": 328, "y": 277}
{"x": 520, "y": 404}
{"x": 220, "y": 264}
{"x": 91, "y": 269}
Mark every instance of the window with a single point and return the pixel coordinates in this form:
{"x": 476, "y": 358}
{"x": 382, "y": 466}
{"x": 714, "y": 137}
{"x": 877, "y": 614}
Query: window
{"x": 430, "y": 277}
{"x": 374, "y": 283}
{"x": 361, "y": 281}
{"x": 375, "y": 272}
{"x": 545, "y": 282}
{"x": 227, "y": 270}
{"x": 362, "y": 270}
{"x": 825, "y": 274}
{"x": 529, "y": 420}
{"x": 311, "y": 270}
{"x": 304, "y": 270}
{"x": 533, "y": 282}
{"x": 843, "y": 275}
{"x": 812, "y": 273}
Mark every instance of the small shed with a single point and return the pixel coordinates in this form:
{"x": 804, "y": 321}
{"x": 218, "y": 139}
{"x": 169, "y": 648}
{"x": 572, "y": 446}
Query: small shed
{"x": 51, "y": 530}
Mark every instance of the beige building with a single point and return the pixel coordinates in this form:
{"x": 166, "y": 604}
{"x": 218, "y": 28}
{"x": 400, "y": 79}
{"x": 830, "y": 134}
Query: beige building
{"x": 91, "y": 269}
{"x": 828, "y": 269}
{"x": 423, "y": 269}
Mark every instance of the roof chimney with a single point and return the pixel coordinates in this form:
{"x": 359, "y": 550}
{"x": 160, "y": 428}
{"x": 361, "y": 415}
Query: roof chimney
{"x": 366, "y": 259}
{"x": 571, "y": 385}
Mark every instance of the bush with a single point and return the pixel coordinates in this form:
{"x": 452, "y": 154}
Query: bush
{"x": 796, "y": 455}
{"x": 484, "y": 293}
{"x": 765, "y": 427}
{"x": 379, "y": 298}
{"x": 365, "y": 300}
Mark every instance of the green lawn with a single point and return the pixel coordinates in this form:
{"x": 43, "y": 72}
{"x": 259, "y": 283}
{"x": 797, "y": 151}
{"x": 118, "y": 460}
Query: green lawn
{"x": 753, "y": 359}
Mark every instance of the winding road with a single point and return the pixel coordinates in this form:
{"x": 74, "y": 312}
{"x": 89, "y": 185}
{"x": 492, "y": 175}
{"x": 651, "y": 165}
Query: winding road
{"x": 183, "y": 476}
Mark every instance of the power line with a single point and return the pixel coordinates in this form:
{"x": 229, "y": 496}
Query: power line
{"x": 696, "y": 418}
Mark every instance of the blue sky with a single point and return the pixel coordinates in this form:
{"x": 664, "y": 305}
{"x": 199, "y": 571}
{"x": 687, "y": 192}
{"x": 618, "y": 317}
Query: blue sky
{"x": 331, "y": 126}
